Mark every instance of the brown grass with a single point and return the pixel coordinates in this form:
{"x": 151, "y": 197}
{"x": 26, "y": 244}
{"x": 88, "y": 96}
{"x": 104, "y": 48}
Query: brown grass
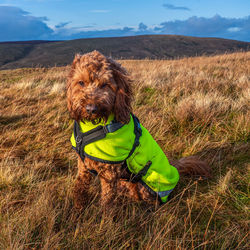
{"x": 191, "y": 106}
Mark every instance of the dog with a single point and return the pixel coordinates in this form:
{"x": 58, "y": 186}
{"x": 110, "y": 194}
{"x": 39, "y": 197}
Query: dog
{"x": 99, "y": 97}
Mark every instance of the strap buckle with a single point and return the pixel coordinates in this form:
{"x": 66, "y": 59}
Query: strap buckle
{"x": 105, "y": 130}
{"x": 78, "y": 139}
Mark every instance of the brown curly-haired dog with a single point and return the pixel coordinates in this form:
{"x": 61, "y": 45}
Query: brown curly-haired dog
{"x": 97, "y": 87}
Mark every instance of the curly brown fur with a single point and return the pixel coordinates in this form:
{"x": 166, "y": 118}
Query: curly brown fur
{"x": 192, "y": 166}
{"x": 99, "y": 81}
{"x": 98, "y": 86}
{"x": 113, "y": 182}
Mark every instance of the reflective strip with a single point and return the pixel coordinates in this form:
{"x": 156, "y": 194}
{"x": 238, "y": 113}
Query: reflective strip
{"x": 164, "y": 193}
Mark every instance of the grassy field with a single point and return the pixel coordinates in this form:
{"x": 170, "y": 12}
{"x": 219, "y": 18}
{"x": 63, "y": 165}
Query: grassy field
{"x": 193, "y": 106}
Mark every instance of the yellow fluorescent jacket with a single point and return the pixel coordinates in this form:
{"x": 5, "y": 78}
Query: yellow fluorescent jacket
{"x": 161, "y": 177}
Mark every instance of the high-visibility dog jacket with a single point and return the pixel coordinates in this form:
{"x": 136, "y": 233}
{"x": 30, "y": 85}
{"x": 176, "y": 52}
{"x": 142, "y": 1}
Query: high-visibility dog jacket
{"x": 122, "y": 144}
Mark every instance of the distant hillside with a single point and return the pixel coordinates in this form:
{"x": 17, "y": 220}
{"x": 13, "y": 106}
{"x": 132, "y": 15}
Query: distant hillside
{"x": 60, "y": 53}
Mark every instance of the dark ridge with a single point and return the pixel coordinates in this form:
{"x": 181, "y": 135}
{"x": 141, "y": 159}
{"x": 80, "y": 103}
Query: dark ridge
{"x": 60, "y": 53}
{"x": 28, "y": 42}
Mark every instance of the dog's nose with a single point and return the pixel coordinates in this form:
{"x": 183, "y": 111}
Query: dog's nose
{"x": 91, "y": 108}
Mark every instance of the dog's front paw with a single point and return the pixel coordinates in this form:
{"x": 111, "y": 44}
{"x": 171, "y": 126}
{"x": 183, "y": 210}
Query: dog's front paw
{"x": 81, "y": 197}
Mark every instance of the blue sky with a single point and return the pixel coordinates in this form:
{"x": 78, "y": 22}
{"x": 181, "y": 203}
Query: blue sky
{"x": 71, "y": 19}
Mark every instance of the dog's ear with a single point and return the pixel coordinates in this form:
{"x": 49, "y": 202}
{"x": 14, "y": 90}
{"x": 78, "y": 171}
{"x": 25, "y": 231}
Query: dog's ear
{"x": 122, "y": 108}
{"x": 72, "y": 112}
{"x": 76, "y": 60}
{"x": 73, "y": 66}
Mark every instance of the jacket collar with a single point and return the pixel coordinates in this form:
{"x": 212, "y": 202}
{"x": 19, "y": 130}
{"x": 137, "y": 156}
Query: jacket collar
{"x": 88, "y": 125}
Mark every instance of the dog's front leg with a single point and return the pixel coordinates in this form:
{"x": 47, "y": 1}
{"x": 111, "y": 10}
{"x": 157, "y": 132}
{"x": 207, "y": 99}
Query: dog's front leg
{"x": 82, "y": 182}
{"x": 108, "y": 179}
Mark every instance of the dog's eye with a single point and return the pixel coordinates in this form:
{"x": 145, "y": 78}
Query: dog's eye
{"x": 81, "y": 83}
{"x": 104, "y": 85}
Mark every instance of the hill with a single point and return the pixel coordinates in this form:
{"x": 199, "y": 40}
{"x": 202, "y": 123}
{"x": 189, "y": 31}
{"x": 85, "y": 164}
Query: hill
{"x": 47, "y": 54}
{"x": 193, "y": 106}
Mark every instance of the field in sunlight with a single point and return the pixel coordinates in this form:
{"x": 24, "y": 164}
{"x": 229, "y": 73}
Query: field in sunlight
{"x": 193, "y": 106}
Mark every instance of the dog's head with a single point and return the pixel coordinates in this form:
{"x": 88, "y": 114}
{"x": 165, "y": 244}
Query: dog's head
{"x": 97, "y": 87}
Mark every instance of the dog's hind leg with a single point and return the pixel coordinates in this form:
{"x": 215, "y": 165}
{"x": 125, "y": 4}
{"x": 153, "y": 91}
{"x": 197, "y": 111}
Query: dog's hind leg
{"x": 129, "y": 190}
{"x": 136, "y": 192}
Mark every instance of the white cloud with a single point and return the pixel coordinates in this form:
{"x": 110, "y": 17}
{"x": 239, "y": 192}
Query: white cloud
{"x": 234, "y": 29}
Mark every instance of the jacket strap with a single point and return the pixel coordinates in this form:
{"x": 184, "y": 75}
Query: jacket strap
{"x": 137, "y": 177}
{"x": 95, "y": 134}
{"x": 98, "y": 133}
{"x": 138, "y": 133}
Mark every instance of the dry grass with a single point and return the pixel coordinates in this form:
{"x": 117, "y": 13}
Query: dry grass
{"x": 191, "y": 106}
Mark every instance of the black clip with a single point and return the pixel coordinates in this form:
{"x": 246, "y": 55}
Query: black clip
{"x": 137, "y": 177}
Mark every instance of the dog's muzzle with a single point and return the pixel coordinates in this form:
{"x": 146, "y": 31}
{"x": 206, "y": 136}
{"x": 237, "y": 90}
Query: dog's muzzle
{"x": 91, "y": 109}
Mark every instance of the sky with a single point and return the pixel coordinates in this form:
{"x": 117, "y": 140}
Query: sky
{"x": 22, "y": 20}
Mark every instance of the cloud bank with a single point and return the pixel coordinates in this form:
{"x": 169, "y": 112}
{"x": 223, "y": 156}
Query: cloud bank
{"x": 217, "y": 26}
{"x": 18, "y": 25}
{"x": 173, "y": 7}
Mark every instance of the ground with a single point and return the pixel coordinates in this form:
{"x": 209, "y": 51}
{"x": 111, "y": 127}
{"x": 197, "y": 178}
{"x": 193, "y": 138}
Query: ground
{"x": 193, "y": 106}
